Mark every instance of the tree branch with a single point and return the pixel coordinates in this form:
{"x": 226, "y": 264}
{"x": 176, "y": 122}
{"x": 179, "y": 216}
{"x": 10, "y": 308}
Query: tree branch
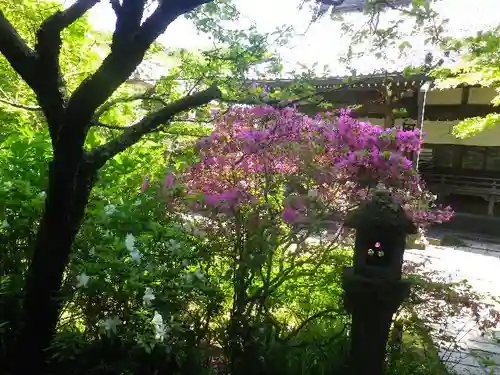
{"x": 388, "y": 4}
{"x": 317, "y": 315}
{"x": 324, "y": 343}
{"x": 108, "y": 105}
{"x": 20, "y": 105}
{"x": 99, "y": 124}
{"x": 48, "y": 83}
{"x": 334, "y": 3}
{"x": 62, "y": 19}
{"x": 16, "y": 51}
{"x": 132, "y": 134}
{"x": 115, "y": 4}
{"x": 127, "y": 52}
{"x": 128, "y": 19}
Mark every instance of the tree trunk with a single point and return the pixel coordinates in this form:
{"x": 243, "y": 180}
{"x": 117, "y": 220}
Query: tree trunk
{"x": 70, "y": 184}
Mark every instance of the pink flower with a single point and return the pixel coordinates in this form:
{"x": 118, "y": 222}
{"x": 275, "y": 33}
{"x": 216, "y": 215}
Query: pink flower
{"x": 212, "y": 200}
{"x": 169, "y": 180}
{"x": 254, "y": 151}
{"x": 290, "y": 215}
{"x": 145, "y": 184}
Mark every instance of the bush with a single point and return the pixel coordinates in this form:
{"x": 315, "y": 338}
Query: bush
{"x": 153, "y": 289}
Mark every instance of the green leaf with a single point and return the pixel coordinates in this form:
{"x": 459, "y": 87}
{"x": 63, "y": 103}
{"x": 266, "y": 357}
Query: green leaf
{"x": 472, "y": 126}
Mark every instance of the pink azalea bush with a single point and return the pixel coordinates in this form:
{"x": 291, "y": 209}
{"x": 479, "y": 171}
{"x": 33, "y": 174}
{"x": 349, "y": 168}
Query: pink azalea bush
{"x": 268, "y": 179}
{"x": 307, "y": 168}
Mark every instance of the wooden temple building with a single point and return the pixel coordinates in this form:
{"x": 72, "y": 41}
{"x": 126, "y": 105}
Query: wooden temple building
{"x": 464, "y": 173}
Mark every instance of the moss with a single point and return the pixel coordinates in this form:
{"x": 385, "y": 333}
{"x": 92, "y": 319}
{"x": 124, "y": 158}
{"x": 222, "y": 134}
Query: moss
{"x": 452, "y": 240}
{"x": 413, "y": 241}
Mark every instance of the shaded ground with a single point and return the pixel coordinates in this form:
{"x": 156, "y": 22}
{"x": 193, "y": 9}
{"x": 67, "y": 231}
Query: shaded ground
{"x": 482, "y": 224}
{"x": 479, "y": 263}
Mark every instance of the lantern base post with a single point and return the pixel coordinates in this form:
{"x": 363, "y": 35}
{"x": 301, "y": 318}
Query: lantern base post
{"x": 372, "y": 303}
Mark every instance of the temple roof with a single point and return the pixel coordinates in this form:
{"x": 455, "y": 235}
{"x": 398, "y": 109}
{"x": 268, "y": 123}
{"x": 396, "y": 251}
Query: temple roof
{"x": 361, "y": 81}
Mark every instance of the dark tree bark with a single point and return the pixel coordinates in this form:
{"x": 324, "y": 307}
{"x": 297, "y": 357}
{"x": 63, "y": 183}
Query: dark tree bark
{"x": 73, "y": 170}
{"x": 67, "y": 197}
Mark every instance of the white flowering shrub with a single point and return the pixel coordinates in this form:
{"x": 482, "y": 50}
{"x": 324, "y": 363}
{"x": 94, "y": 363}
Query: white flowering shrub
{"x": 137, "y": 276}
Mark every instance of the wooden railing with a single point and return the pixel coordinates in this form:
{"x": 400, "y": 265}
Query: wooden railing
{"x": 485, "y": 187}
{"x": 468, "y": 185}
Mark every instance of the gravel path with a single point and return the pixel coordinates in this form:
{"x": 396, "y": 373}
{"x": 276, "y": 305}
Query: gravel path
{"x": 479, "y": 263}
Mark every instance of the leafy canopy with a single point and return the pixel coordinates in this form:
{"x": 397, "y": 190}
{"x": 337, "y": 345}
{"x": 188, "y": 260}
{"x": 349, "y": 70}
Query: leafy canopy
{"x": 480, "y": 65}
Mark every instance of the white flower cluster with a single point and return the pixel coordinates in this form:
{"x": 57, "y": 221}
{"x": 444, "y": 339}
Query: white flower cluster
{"x": 159, "y": 325}
{"x": 130, "y": 245}
{"x": 82, "y": 280}
{"x": 148, "y": 297}
{"x": 110, "y": 209}
{"x": 5, "y": 224}
{"x": 109, "y": 325}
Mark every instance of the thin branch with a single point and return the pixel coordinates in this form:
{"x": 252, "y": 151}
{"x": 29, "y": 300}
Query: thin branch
{"x": 148, "y": 124}
{"x": 164, "y": 15}
{"x": 61, "y": 20}
{"x": 388, "y": 4}
{"x": 318, "y": 315}
{"x": 98, "y": 124}
{"x": 325, "y": 343}
{"x": 108, "y": 105}
{"x": 16, "y": 51}
{"x": 198, "y": 81}
{"x": 20, "y": 105}
{"x": 334, "y": 3}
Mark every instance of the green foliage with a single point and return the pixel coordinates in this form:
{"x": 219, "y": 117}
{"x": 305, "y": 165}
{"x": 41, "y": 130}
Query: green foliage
{"x": 23, "y": 164}
{"x": 133, "y": 261}
{"x": 480, "y": 65}
{"x": 474, "y": 125}
{"x": 187, "y": 275}
{"x": 79, "y": 50}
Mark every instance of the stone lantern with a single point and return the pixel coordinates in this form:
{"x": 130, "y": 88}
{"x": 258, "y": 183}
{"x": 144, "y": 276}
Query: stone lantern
{"x": 373, "y": 287}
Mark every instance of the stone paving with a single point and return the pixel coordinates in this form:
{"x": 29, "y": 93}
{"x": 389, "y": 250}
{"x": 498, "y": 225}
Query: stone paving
{"x": 479, "y": 263}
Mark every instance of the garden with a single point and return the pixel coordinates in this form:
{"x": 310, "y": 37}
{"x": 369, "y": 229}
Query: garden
{"x": 196, "y": 226}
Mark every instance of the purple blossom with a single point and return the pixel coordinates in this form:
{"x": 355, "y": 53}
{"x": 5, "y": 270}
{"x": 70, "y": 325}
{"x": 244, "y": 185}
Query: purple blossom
{"x": 145, "y": 184}
{"x": 334, "y": 154}
{"x": 169, "y": 180}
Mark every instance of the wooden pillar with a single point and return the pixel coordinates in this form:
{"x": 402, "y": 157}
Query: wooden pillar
{"x": 389, "y": 116}
{"x": 388, "y": 99}
{"x": 491, "y": 206}
{"x": 421, "y": 100}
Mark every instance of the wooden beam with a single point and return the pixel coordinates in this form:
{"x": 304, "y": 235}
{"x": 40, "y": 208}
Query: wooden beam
{"x": 465, "y": 95}
{"x": 432, "y": 112}
{"x": 364, "y": 81}
{"x": 456, "y": 112}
